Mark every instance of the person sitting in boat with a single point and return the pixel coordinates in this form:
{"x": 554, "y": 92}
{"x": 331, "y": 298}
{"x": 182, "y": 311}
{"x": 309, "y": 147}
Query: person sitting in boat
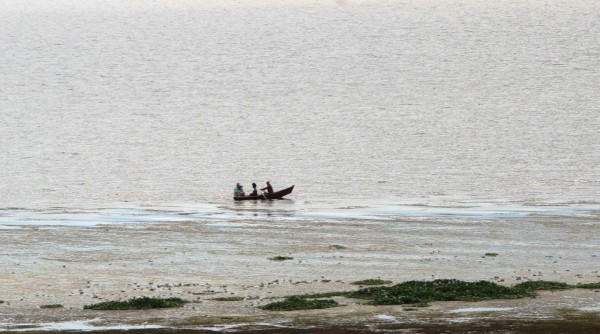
{"x": 254, "y": 190}
{"x": 239, "y": 190}
{"x": 269, "y": 188}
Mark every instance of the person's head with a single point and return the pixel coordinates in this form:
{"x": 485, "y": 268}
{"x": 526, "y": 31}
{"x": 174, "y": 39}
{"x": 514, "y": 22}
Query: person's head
{"x": 253, "y": 185}
{"x": 268, "y": 182}
{"x": 238, "y": 184}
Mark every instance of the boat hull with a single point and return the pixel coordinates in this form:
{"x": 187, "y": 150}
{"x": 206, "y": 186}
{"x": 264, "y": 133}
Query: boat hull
{"x": 275, "y": 195}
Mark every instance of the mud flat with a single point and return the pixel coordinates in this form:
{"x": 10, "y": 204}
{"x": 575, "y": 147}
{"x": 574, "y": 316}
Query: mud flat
{"x": 227, "y": 269}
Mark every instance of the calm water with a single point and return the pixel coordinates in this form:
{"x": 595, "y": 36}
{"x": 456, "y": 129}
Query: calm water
{"x": 395, "y": 104}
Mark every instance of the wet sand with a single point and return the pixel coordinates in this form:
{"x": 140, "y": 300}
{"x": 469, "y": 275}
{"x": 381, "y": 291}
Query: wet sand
{"x": 200, "y": 261}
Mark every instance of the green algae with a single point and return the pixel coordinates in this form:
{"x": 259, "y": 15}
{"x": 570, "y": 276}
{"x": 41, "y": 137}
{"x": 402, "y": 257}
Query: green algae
{"x": 419, "y": 292}
{"x": 298, "y": 303}
{"x": 52, "y": 306}
{"x": 588, "y": 285}
{"x": 542, "y": 285}
{"x": 280, "y": 258}
{"x": 140, "y": 303}
{"x": 229, "y": 299}
{"x": 372, "y": 281}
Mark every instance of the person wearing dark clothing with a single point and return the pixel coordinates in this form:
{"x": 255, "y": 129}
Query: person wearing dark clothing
{"x": 269, "y": 188}
{"x": 239, "y": 190}
{"x": 254, "y": 190}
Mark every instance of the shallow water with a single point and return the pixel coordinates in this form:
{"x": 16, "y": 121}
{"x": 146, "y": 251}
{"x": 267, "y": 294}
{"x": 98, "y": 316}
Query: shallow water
{"x": 441, "y": 103}
{"x": 288, "y": 211}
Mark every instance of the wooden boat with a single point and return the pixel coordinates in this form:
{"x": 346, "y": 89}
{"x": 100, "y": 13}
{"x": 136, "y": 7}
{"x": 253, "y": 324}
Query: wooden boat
{"x": 275, "y": 195}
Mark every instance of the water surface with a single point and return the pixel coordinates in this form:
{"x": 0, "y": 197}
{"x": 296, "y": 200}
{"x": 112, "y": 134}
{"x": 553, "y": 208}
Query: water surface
{"x": 167, "y": 102}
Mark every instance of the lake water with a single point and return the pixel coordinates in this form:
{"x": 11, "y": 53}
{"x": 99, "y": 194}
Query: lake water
{"x": 399, "y": 107}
